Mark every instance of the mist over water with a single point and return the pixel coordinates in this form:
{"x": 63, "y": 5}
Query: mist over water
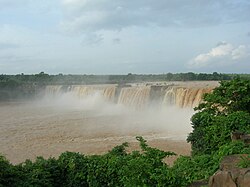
{"x": 93, "y": 119}
{"x": 162, "y": 119}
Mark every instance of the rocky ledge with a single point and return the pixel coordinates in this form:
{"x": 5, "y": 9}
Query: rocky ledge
{"x": 230, "y": 175}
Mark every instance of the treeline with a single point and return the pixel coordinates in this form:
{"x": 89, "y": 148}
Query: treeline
{"x": 10, "y": 81}
{"x": 23, "y": 86}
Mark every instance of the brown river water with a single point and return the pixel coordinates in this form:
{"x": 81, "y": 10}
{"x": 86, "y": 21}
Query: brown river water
{"x": 93, "y": 119}
{"x": 49, "y": 127}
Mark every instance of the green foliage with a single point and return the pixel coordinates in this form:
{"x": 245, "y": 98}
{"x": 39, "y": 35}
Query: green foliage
{"x": 6, "y": 172}
{"x": 73, "y": 169}
{"x": 222, "y": 112}
{"x": 229, "y": 97}
{"x": 235, "y": 147}
{"x": 225, "y": 110}
{"x": 202, "y": 166}
{"x": 195, "y": 168}
{"x": 146, "y": 168}
{"x": 40, "y": 173}
{"x": 245, "y": 162}
{"x": 116, "y": 168}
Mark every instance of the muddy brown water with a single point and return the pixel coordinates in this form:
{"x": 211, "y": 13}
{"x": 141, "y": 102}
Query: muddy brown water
{"x": 48, "y": 127}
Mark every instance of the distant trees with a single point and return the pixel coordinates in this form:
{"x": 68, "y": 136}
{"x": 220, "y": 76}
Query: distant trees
{"x": 44, "y": 78}
{"x": 21, "y": 82}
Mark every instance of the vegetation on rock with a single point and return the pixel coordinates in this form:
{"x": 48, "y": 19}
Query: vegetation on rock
{"x": 225, "y": 110}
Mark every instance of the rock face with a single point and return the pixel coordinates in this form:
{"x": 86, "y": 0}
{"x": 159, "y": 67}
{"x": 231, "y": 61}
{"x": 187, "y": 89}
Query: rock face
{"x": 230, "y": 175}
{"x": 240, "y": 136}
{"x": 222, "y": 179}
{"x": 234, "y": 178}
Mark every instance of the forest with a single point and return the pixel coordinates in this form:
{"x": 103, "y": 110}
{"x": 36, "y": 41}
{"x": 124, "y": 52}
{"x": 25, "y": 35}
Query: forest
{"x": 22, "y": 86}
{"x": 225, "y": 110}
{"x": 42, "y": 78}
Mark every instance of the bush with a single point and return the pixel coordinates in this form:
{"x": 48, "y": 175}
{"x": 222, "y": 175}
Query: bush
{"x": 116, "y": 168}
{"x": 245, "y": 162}
{"x": 225, "y": 110}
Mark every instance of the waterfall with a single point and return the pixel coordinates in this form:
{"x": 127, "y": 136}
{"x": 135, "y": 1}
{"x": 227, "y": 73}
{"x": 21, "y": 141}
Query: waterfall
{"x": 107, "y": 92}
{"x": 184, "y": 97}
{"x": 82, "y": 91}
{"x": 136, "y": 96}
{"x": 53, "y": 90}
{"x": 169, "y": 98}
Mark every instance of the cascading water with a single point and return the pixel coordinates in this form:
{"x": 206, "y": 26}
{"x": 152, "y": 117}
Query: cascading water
{"x": 169, "y": 98}
{"x": 135, "y": 96}
{"x": 82, "y": 91}
{"x": 184, "y": 97}
{"x": 53, "y": 90}
{"x": 91, "y": 118}
{"x": 109, "y": 93}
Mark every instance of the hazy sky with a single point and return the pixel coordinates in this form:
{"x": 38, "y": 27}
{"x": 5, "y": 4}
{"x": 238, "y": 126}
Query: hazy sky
{"x": 124, "y": 36}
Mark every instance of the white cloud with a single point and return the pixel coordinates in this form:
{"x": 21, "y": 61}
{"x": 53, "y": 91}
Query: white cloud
{"x": 149, "y": 35}
{"x": 223, "y": 54}
{"x": 96, "y": 15}
{"x": 241, "y": 52}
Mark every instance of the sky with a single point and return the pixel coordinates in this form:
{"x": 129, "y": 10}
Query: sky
{"x": 124, "y": 36}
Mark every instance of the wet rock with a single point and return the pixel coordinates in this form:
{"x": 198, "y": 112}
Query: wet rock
{"x": 244, "y": 179}
{"x": 222, "y": 179}
{"x": 240, "y": 136}
{"x": 230, "y": 175}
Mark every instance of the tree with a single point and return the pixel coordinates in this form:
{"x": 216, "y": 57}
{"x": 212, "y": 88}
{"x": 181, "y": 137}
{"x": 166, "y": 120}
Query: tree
{"x": 225, "y": 110}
